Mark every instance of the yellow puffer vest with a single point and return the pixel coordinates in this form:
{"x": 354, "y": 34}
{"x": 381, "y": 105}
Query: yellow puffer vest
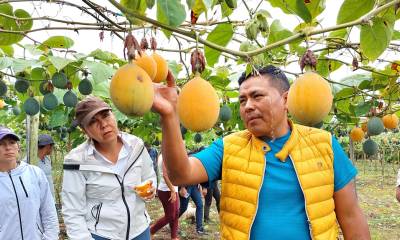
{"x": 242, "y": 174}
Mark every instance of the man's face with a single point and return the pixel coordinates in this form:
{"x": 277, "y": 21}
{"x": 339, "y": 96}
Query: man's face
{"x": 8, "y": 150}
{"x": 263, "y": 108}
{"x": 102, "y": 127}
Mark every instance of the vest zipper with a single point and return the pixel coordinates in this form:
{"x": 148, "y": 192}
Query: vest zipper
{"x": 121, "y": 183}
{"x": 305, "y": 203}
{"x": 19, "y": 210}
{"x": 258, "y": 195}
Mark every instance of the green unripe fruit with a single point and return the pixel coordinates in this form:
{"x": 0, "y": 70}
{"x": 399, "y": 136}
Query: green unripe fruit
{"x": 197, "y": 138}
{"x": 70, "y": 99}
{"x": 85, "y": 87}
{"x": 21, "y": 85}
{"x": 370, "y": 147}
{"x": 31, "y": 106}
{"x": 183, "y": 130}
{"x": 16, "y": 110}
{"x": 50, "y": 101}
{"x": 3, "y": 88}
{"x": 59, "y": 80}
{"x": 43, "y": 87}
{"x": 225, "y": 113}
{"x": 375, "y": 126}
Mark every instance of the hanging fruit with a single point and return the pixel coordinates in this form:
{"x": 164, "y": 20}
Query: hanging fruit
{"x": 370, "y": 147}
{"x": 145, "y": 61}
{"x": 162, "y": 65}
{"x": 357, "y": 134}
{"x": 375, "y": 126}
{"x": 131, "y": 89}
{"x": 390, "y": 121}
{"x": 310, "y": 96}
{"x": 198, "y": 102}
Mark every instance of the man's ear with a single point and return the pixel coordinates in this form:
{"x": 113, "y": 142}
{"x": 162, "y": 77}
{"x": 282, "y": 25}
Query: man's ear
{"x": 285, "y": 99}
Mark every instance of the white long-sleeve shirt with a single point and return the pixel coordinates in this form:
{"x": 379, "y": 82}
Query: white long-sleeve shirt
{"x": 26, "y": 205}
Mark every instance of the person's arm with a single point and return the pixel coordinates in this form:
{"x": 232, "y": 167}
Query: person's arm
{"x": 182, "y": 170}
{"x": 171, "y": 187}
{"x": 349, "y": 215}
{"x": 48, "y": 212}
{"x": 74, "y": 205}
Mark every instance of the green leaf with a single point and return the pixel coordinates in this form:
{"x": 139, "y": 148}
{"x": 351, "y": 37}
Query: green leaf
{"x": 375, "y": 39}
{"x": 226, "y": 11}
{"x": 297, "y": 7}
{"x": 361, "y": 108}
{"x": 100, "y": 71}
{"x": 354, "y": 9}
{"x": 137, "y": 6}
{"x": 325, "y": 66}
{"x": 344, "y": 93}
{"x": 20, "y": 65}
{"x": 190, "y": 3}
{"x": 396, "y": 35}
{"x": 33, "y": 49}
{"x": 59, "y": 62}
{"x": 315, "y": 7}
{"x": 6, "y": 50}
{"x": 58, "y": 118}
{"x": 57, "y": 42}
{"x": 170, "y": 12}
{"x": 278, "y": 32}
{"x": 102, "y": 89}
{"x": 5, "y": 62}
{"x": 7, "y": 23}
{"x": 175, "y": 68}
{"x": 220, "y": 35}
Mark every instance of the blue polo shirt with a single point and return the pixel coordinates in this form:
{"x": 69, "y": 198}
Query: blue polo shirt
{"x": 281, "y": 201}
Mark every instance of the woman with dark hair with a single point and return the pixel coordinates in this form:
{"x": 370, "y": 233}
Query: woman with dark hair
{"x": 99, "y": 175}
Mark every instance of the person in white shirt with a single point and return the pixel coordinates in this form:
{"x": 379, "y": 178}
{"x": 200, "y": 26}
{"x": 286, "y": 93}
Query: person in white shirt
{"x": 99, "y": 176}
{"x": 27, "y": 209}
{"x": 168, "y": 195}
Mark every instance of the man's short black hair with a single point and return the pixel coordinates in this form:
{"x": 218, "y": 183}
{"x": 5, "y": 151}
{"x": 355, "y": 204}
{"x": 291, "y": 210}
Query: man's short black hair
{"x": 276, "y": 78}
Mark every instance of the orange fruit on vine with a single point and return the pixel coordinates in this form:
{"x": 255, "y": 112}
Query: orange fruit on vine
{"x": 148, "y": 64}
{"x": 357, "y": 134}
{"x": 131, "y": 90}
{"x": 198, "y": 105}
{"x": 390, "y": 121}
{"x": 310, "y": 99}
{"x": 162, "y": 68}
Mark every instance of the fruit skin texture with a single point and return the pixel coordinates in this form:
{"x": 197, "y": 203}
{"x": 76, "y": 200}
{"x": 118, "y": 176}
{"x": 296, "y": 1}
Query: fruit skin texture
{"x": 390, "y": 121}
{"x": 370, "y": 147}
{"x": 131, "y": 90}
{"x": 375, "y": 126}
{"x": 357, "y": 134}
{"x": 31, "y": 106}
{"x": 162, "y": 68}
{"x": 148, "y": 64}
{"x": 310, "y": 99}
{"x": 2, "y": 104}
{"x": 198, "y": 105}
{"x": 197, "y": 138}
{"x": 225, "y": 114}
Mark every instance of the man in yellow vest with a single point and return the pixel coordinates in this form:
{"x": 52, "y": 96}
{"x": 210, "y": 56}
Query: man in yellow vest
{"x": 279, "y": 180}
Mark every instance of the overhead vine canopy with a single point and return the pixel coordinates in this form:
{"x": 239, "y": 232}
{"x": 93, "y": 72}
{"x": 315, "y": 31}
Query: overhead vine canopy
{"x": 357, "y": 51}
